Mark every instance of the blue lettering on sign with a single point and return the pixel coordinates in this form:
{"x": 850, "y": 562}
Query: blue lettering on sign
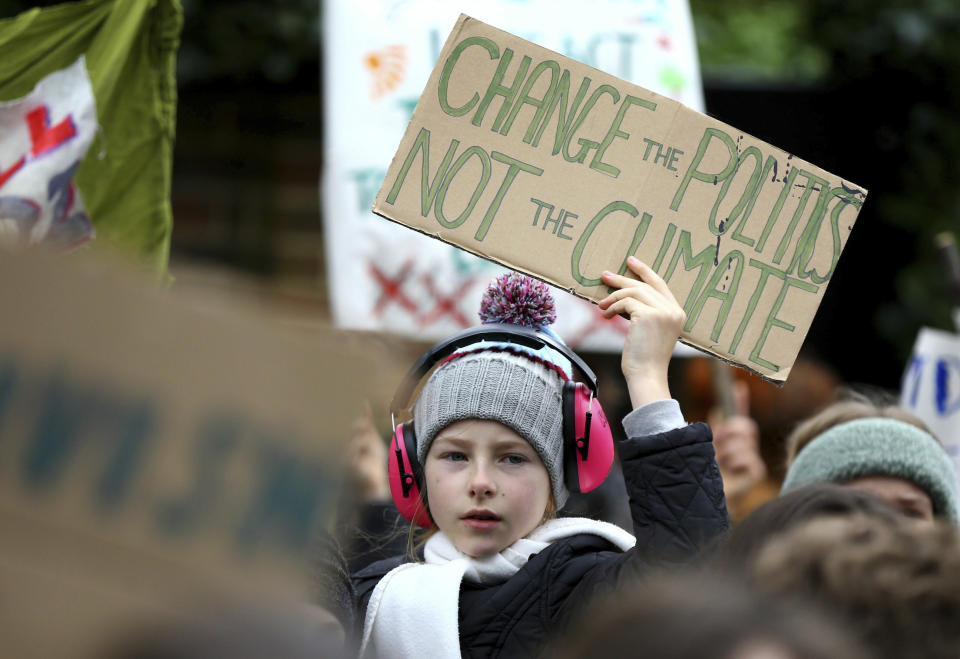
{"x": 55, "y": 423}
{"x": 8, "y": 378}
{"x": 946, "y": 401}
{"x": 217, "y": 437}
{"x": 407, "y": 106}
{"x": 287, "y": 501}
{"x": 911, "y": 380}
{"x": 72, "y": 416}
{"x": 368, "y": 181}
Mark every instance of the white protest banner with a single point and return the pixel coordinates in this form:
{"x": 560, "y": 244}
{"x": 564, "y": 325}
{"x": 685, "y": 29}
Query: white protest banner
{"x": 152, "y": 447}
{"x": 378, "y": 55}
{"x": 43, "y": 138}
{"x": 553, "y": 168}
{"x": 931, "y": 387}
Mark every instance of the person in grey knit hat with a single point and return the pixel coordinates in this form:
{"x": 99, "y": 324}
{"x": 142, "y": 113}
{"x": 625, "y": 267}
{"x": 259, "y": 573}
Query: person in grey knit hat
{"x": 888, "y": 457}
{"x": 499, "y": 570}
{"x": 521, "y": 391}
{"x": 517, "y": 386}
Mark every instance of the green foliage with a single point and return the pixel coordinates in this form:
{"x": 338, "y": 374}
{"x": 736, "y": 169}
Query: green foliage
{"x": 756, "y": 40}
{"x": 910, "y": 51}
{"x": 236, "y": 39}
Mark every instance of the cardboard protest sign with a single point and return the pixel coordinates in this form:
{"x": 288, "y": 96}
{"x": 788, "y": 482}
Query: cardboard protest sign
{"x": 530, "y": 159}
{"x": 931, "y": 387}
{"x": 151, "y": 448}
{"x": 44, "y": 137}
{"x": 377, "y": 57}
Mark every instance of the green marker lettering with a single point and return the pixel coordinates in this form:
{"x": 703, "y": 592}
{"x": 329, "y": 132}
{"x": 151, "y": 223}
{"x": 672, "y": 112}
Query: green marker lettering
{"x": 693, "y": 173}
{"x": 428, "y": 191}
{"x": 448, "y": 66}
{"x": 749, "y": 193}
{"x": 527, "y": 99}
{"x": 445, "y": 185}
{"x": 738, "y": 230}
{"x": 808, "y": 242}
{"x": 578, "y": 249}
{"x": 497, "y": 89}
{"x": 713, "y": 290}
{"x": 614, "y": 132}
{"x": 514, "y": 167}
{"x": 703, "y": 261}
{"x": 585, "y": 144}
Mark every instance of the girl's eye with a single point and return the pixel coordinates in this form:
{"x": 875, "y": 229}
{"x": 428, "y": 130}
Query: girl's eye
{"x": 454, "y": 456}
{"x": 515, "y": 459}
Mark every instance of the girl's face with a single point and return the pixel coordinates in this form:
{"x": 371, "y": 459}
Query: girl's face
{"x": 486, "y": 486}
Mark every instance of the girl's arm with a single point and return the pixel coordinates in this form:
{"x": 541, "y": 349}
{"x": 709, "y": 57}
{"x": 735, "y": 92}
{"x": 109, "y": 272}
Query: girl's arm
{"x": 676, "y": 494}
{"x": 671, "y": 476}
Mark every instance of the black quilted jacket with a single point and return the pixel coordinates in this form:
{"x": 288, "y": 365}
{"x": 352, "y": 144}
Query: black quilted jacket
{"x": 677, "y": 505}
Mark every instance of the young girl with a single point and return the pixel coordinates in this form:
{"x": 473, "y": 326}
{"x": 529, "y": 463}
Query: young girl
{"x": 502, "y": 572}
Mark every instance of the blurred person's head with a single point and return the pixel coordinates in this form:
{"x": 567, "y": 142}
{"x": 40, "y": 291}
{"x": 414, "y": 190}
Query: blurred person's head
{"x": 895, "y": 583}
{"x": 705, "y": 616}
{"x": 891, "y": 458}
{"x": 851, "y": 405}
{"x": 741, "y": 547}
{"x": 293, "y": 631}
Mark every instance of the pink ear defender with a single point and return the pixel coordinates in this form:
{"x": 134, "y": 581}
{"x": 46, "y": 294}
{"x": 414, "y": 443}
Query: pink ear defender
{"x": 404, "y": 476}
{"x": 587, "y": 439}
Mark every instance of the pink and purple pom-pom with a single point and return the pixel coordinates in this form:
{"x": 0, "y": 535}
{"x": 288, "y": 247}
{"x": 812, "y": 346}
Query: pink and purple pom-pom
{"x": 518, "y": 299}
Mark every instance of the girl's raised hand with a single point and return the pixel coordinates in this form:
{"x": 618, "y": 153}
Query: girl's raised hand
{"x": 656, "y": 320}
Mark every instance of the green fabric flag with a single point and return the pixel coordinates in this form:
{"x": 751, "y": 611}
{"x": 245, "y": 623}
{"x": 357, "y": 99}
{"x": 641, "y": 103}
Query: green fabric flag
{"x": 130, "y": 48}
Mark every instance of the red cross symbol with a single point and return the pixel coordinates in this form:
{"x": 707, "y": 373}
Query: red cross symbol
{"x": 43, "y": 137}
{"x": 446, "y": 304}
{"x": 391, "y": 288}
{"x": 598, "y": 323}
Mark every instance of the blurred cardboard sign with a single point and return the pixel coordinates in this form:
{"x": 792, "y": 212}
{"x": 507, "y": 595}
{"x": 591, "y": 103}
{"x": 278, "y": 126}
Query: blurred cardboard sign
{"x": 931, "y": 387}
{"x": 530, "y": 159}
{"x": 150, "y": 448}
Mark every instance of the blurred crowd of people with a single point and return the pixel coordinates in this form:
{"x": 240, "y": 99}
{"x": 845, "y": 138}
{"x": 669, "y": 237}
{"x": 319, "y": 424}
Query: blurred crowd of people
{"x": 504, "y": 515}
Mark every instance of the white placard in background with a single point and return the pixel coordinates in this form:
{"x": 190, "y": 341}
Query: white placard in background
{"x": 378, "y": 55}
{"x": 931, "y": 387}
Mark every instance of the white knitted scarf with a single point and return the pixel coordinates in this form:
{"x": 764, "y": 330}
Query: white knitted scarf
{"x": 414, "y": 612}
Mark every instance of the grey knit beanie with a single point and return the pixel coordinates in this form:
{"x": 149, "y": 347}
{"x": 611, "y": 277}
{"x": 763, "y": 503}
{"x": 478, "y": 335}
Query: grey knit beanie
{"x": 517, "y": 390}
{"x": 878, "y": 447}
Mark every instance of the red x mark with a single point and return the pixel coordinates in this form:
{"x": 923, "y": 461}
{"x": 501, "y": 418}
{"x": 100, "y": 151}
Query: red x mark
{"x": 598, "y": 323}
{"x": 44, "y": 137}
{"x": 391, "y": 289}
{"x": 446, "y": 304}
{"x": 7, "y": 173}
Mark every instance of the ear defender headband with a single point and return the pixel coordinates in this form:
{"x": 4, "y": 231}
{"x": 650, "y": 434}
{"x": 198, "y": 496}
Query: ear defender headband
{"x": 587, "y": 439}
